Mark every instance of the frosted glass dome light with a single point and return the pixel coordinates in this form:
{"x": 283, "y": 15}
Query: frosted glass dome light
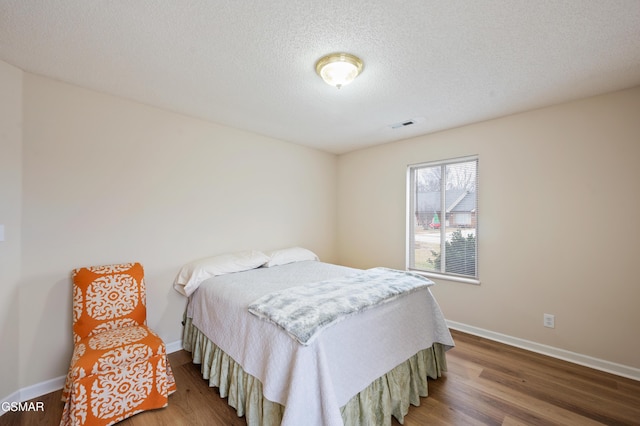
{"x": 339, "y": 69}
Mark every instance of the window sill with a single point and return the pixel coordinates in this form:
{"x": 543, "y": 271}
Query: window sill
{"x": 446, "y": 277}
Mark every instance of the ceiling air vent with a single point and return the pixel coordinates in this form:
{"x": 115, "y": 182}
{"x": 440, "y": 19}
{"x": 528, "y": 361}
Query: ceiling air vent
{"x": 406, "y": 123}
{"x": 403, "y": 124}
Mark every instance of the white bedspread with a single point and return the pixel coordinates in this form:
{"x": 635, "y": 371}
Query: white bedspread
{"x": 313, "y": 381}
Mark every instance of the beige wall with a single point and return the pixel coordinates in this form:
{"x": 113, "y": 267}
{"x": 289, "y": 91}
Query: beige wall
{"x": 109, "y": 180}
{"x": 10, "y": 217}
{"x": 560, "y": 222}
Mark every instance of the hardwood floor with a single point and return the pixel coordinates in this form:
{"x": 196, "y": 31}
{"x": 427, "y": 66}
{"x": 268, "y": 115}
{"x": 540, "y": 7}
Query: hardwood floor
{"x": 487, "y": 383}
{"x": 496, "y": 384}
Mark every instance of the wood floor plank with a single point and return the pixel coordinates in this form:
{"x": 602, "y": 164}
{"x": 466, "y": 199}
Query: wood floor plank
{"x": 592, "y": 393}
{"x": 516, "y": 403}
{"x": 578, "y": 400}
{"x": 487, "y": 383}
{"x": 434, "y": 412}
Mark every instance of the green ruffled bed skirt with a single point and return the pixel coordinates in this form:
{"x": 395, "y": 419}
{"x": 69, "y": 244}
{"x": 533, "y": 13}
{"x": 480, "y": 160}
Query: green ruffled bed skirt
{"x": 389, "y": 395}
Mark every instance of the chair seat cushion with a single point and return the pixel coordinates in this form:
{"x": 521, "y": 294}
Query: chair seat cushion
{"x": 114, "y": 349}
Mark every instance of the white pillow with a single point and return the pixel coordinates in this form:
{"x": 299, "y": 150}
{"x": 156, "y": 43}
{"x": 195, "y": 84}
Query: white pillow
{"x": 193, "y": 273}
{"x": 289, "y": 255}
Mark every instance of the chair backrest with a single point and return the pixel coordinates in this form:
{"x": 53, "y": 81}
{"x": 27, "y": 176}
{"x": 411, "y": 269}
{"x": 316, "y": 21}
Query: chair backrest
{"x": 107, "y": 297}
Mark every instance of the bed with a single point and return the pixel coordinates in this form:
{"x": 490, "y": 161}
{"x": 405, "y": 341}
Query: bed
{"x": 361, "y": 369}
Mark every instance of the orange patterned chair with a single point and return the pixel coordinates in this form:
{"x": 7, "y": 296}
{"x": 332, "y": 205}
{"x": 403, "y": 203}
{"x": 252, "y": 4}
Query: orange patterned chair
{"x": 119, "y": 366}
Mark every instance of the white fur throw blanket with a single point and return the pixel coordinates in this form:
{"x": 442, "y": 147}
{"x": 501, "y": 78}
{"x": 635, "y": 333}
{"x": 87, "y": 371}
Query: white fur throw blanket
{"x": 303, "y": 311}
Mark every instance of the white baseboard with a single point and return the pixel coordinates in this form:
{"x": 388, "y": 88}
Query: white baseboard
{"x": 52, "y": 385}
{"x": 573, "y": 357}
{"x": 33, "y": 391}
{"x": 174, "y": 346}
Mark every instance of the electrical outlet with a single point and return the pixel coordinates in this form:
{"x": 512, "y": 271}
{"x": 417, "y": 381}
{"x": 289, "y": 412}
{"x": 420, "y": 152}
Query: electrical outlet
{"x": 549, "y": 320}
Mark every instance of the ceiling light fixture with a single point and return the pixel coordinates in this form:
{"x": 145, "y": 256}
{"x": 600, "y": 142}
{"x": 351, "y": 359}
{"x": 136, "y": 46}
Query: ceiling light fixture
{"x": 339, "y": 69}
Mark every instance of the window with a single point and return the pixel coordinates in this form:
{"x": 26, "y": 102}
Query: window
{"x": 442, "y": 223}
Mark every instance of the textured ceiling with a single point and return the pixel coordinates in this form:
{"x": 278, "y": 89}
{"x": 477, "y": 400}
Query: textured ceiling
{"x": 250, "y": 64}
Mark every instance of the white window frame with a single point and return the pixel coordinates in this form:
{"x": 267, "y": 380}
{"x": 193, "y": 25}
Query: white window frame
{"x": 411, "y": 222}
